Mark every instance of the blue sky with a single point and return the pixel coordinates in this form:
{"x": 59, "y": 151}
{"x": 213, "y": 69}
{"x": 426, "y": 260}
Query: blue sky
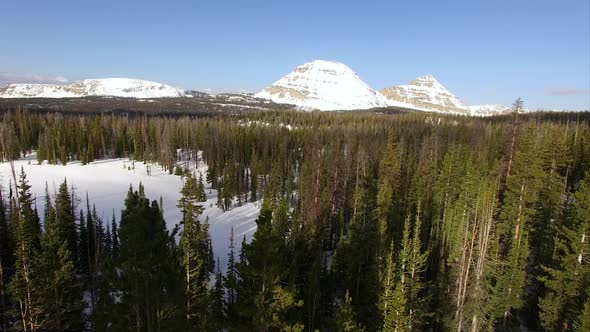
{"x": 483, "y": 51}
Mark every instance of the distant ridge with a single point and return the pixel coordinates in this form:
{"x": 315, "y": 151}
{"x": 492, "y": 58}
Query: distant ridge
{"x": 116, "y": 87}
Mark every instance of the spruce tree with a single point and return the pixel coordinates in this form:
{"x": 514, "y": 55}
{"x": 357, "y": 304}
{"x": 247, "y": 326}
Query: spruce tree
{"x": 394, "y": 302}
{"x": 569, "y": 281}
{"x": 345, "y": 317}
{"x": 356, "y": 256}
{"x": 147, "y": 270}
{"x": 65, "y": 220}
{"x": 518, "y": 207}
{"x": 403, "y": 299}
{"x": 218, "y": 303}
{"x": 114, "y": 239}
{"x": 388, "y": 197}
{"x": 83, "y": 245}
{"x": 60, "y": 290}
{"x": 261, "y": 270}
{"x": 25, "y": 287}
{"x": 201, "y": 188}
{"x": 195, "y": 260}
{"x": 231, "y": 278}
{"x": 6, "y": 262}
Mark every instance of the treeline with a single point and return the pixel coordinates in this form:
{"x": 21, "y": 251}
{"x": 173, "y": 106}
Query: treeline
{"x": 369, "y": 221}
{"x": 199, "y": 104}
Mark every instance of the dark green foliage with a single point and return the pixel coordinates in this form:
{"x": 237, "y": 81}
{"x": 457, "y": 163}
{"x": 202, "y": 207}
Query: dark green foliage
{"x": 345, "y": 317}
{"x": 148, "y": 276}
{"x": 568, "y": 280}
{"x": 494, "y": 211}
{"x": 6, "y": 261}
{"x": 195, "y": 259}
{"x": 65, "y": 221}
{"x": 60, "y": 293}
{"x": 218, "y": 303}
{"x": 231, "y": 280}
{"x": 26, "y": 285}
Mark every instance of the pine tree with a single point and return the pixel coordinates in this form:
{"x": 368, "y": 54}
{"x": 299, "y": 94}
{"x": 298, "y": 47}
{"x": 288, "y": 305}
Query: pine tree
{"x": 25, "y": 285}
{"x": 345, "y": 318}
{"x": 569, "y": 281}
{"x": 195, "y": 256}
{"x": 518, "y": 207}
{"x": 261, "y": 269}
{"x": 394, "y": 298}
{"x": 114, "y": 239}
{"x": 274, "y": 316}
{"x": 147, "y": 270}
{"x": 65, "y": 220}
{"x": 201, "y": 188}
{"x": 83, "y": 245}
{"x": 403, "y": 299}
{"x": 218, "y": 305}
{"x": 60, "y": 290}
{"x": 356, "y": 256}
{"x": 106, "y": 312}
{"x": 231, "y": 278}
{"x": 254, "y": 172}
{"x": 243, "y": 249}
{"x": 388, "y": 196}
{"x": 416, "y": 268}
{"x": 6, "y": 261}
{"x": 228, "y": 186}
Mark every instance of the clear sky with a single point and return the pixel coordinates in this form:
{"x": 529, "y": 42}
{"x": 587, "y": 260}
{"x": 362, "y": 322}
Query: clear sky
{"x": 484, "y": 51}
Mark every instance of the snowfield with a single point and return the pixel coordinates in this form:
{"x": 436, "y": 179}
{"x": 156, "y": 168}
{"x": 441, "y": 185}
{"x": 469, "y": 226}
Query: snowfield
{"x": 107, "y": 183}
{"x": 114, "y": 87}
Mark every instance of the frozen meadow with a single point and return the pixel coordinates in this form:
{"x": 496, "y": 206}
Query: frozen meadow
{"x": 107, "y": 183}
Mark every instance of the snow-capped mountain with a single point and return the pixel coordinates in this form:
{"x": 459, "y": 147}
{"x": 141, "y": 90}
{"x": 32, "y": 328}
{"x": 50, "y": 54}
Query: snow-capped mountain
{"x": 323, "y": 85}
{"x": 488, "y": 110}
{"x": 427, "y": 94}
{"x": 116, "y": 87}
{"x": 495, "y": 109}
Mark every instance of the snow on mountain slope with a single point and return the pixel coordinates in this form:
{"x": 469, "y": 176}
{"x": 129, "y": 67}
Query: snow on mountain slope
{"x": 425, "y": 93}
{"x": 323, "y": 85}
{"x": 488, "y": 110}
{"x": 32, "y": 90}
{"x": 496, "y": 109}
{"x": 116, "y": 87}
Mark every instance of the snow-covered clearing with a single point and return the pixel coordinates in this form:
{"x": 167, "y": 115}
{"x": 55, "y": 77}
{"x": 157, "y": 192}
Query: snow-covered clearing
{"x": 107, "y": 183}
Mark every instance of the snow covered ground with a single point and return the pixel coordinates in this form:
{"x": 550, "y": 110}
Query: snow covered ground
{"x": 107, "y": 183}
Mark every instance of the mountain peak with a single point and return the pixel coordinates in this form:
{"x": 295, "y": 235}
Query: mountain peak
{"x": 326, "y": 64}
{"x": 426, "y": 93}
{"x": 324, "y": 85}
{"x": 428, "y": 81}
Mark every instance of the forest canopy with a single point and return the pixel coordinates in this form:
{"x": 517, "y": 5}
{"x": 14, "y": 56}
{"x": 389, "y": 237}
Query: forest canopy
{"x": 369, "y": 221}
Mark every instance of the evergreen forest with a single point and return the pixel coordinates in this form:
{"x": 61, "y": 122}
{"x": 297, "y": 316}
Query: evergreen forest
{"x": 368, "y": 222}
